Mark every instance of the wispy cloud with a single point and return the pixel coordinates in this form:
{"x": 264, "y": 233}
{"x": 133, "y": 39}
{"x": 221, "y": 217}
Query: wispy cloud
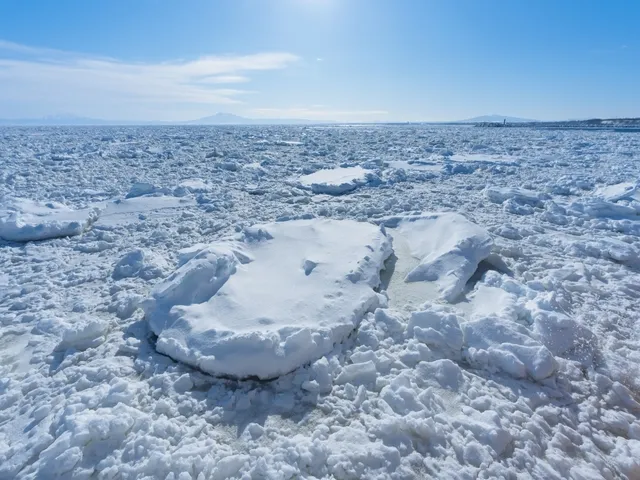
{"x": 317, "y": 113}
{"x": 75, "y": 81}
{"x": 225, "y": 79}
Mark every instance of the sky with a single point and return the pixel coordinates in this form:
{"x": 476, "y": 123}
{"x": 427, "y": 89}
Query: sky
{"x": 341, "y": 60}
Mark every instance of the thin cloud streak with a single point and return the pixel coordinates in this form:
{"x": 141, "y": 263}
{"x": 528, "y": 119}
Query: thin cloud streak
{"x": 78, "y": 81}
{"x": 317, "y": 113}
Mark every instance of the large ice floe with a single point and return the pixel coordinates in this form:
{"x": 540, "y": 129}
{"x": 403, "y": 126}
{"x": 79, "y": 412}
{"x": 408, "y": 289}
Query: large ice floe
{"x": 23, "y": 220}
{"x": 336, "y": 181}
{"x": 278, "y": 297}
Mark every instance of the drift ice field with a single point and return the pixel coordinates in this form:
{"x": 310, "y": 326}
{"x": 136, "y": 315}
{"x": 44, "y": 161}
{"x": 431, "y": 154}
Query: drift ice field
{"x": 339, "y": 302}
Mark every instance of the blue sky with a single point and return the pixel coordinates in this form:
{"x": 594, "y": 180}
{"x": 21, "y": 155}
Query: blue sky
{"x": 345, "y": 60}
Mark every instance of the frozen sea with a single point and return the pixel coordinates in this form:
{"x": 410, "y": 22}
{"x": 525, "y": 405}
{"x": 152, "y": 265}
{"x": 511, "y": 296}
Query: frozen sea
{"x": 337, "y": 302}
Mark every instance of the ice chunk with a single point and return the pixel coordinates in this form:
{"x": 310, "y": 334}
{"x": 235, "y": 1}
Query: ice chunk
{"x": 139, "y": 189}
{"x": 564, "y": 336}
{"x": 519, "y": 195}
{"x": 437, "y": 328}
{"x": 140, "y": 263}
{"x": 449, "y": 247}
{"x": 252, "y": 307}
{"x": 490, "y": 159}
{"x": 23, "y": 220}
{"x": 619, "y": 191}
{"x": 596, "y": 207}
{"x": 358, "y": 374}
{"x": 336, "y": 181}
{"x": 192, "y": 185}
{"x": 509, "y": 347}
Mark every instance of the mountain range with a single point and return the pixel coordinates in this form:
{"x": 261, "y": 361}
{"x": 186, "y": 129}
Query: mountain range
{"x": 217, "y": 119}
{"x": 493, "y": 118}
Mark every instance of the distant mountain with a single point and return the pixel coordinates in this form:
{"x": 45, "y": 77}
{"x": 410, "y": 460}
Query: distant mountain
{"x": 220, "y": 119}
{"x": 496, "y": 118}
{"x": 217, "y": 119}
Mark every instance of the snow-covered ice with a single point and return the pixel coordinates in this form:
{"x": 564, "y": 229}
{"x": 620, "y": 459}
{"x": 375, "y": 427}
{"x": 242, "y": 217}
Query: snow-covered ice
{"x": 336, "y": 181}
{"x": 23, "y": 220}
{"x": 281, "y": 297}
{"x": 515, "y": 353}
{"x": 619, "y": 191}
{"x": 448, "y": 246}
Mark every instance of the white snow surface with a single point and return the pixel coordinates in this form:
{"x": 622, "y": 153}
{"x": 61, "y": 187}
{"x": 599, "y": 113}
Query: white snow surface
{"x": 532, "y": 371}
{"x": 280, "y": 298}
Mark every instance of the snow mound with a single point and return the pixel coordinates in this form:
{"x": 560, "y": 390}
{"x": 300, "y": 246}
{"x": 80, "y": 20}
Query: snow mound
{"x": 519, "y": 195}
{"x": 278, "y": 297}
{"x": 449, "y": 247}
{"x": 336, "y": 181}
{"x": 619, "y": 191}
{"x": 23, "y": 220}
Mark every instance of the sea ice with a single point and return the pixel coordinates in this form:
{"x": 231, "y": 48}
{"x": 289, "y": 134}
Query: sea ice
{"x": 532, "y": 372}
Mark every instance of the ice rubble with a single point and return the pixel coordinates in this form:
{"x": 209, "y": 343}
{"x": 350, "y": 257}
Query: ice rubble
{"x": 335, "y": 181}
{"x": 23, "y": 220}
{"x": 278, "y": 298}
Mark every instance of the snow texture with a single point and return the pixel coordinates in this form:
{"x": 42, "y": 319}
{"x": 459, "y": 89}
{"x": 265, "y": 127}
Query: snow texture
{"x": 281, "y": 297}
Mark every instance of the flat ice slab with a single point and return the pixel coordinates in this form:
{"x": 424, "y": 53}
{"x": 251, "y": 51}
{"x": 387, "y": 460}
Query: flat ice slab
{"x": 447, "y": 247}
{"x": 479, "y": 158}
{"x": 134, "y": 209}
{"x": 277, "y": 298}
{"x": 619, "y": 191}
{"x": 23, "y": 220}
{"x": 520, "y": 195}
{"x": 335, "y": 181}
